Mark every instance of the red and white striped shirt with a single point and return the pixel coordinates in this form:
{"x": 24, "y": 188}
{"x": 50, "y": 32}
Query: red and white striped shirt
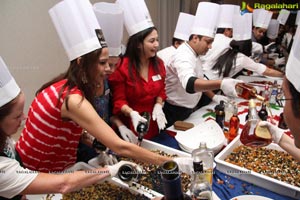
{"x": 49, "y": 143}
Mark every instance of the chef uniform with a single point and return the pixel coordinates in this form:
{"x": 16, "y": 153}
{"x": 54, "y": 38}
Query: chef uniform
{"x": 221, "y": 42}
{"x": 138, "y": 94}
{"x": 182, "y": 32}
{"x": 11, "y": 182}
{"x": 185, "y": 63}
{"x": 54, "y": 148}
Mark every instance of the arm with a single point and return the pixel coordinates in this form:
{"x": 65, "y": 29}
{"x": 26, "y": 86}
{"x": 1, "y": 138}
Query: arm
{"x": 287, "y": 143}
{"x": 273, "y": 72}
{"x": 65, "y": 183}
{"x": 84, "y": 114}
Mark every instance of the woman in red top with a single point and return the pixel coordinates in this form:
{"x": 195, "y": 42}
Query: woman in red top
{"x": 138, "y": 84}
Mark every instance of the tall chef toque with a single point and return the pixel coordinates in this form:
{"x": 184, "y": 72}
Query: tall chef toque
{"x": 183, "y": 26}
{"x": 261, "y": 18}
{"x": 273, "y": 29}
{"x": 9, "y": 89}
{"x": 110, "y": 18}
{"x": 77, "y": 27}
{"x": 206, "y": 19}
{"x": 293, "y": 64}
{"x": 242, "y": 26}
{"x": 227, "y": 12}
{"x": 136, "y": 15}
{"x": 283, "y": 16}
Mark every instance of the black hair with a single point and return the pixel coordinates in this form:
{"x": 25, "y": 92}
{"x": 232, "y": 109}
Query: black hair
{"x": 75, "y": 75}
{"x": 227, "y": 60}
{"x": 133, "y": 52}
{"x": 174, "y": 40}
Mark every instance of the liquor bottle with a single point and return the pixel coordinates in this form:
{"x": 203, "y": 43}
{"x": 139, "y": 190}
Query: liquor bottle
{"x": 263, "y": 113}
{"x": 128, "y": 173}
{"x": 247, "y": 91}
{"x": 253, "y": 135}
{"x": 92, "y": 141}
{"x": 274, "y": 92}
{"x": 281, "y": 123}
{"x": 220, "y": 114}
{"x": 233, "y": 125}
{"x": 143, "y": 127}
{"x": 171, "y": 180}
{"x": 266, "y": 92}
{"x": 207, "y": 157}
{"x": 200, "y": 187}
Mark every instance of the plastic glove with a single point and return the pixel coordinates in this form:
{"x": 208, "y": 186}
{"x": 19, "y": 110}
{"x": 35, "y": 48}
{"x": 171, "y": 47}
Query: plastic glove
{"x": 136, "y": 118}
{"x": 279, "y": 61}
{"x": 105, "y": 158}
{"x": 159, "y": 116}
{"x": 185, "y": 164}
{"x": 274, "y": 130}
{"x": 256, "y": 48}
{"x": 268, "y": 47}
{"x": 218, "y": 98}
{"x": 127, "y": 134}
{"x": 273, "y": 55}
{"x": 113, "y": 169}
{"x": 228, "y": 86}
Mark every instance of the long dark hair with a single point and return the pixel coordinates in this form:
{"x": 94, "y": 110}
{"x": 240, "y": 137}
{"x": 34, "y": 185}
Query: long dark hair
{"x": 227, "y": 60}
{"x": 79, "y": 75}
{"x": 133, "y": 52}
{"x": 4, "y": 111}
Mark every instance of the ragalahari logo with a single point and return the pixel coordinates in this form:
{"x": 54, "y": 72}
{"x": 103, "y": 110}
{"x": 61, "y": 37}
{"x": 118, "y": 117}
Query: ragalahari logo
{"x": 274, "y": 7}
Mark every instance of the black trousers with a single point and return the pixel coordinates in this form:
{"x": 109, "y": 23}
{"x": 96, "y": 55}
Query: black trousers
{"x": 176, "y": 113}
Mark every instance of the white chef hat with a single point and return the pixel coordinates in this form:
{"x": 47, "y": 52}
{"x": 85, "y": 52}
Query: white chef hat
{"x": 110, "y": 18}
{"x": 227, "y": 12}
{"x": 183, "y": 26}
{"x": 9, "y": 89}
{"x": 283, "y": 16}
{"x": 273, "y": 28}
{"x": 297, "y": 22}
{"x": 261, "y": 18}
{"x": 242, "y": 27}
{"x": 206, "y": 19}
{"x": 77, "y": 27}
{"x": 136, "y": 15}
{"x": 293, "y": 64}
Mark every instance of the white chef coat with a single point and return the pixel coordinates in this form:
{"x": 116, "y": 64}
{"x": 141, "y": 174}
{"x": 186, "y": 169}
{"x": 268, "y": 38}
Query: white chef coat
{"x": 183, "y": 65}
{"x": 13, "y": 178}
{"x": 166, "y": 53}
{"x": 242, "y": 62}
{"x": 219, "y": 46}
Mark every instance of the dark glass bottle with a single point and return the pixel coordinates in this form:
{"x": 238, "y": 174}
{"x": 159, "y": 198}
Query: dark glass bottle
{"x": 234, "y": 124}
{"x": 171, "y": 180}
{"x": 128, "y": 173}
{"x": 263, "y": 113}
{"x": 143, "y": 127}
{"x": 220, "y": 114}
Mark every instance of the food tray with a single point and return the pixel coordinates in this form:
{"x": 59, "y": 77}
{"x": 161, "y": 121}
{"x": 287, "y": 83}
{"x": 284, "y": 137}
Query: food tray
{"x": 254, "y": 177}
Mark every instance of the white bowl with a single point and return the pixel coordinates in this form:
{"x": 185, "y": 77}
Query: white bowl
{"x": 208, "y": 131}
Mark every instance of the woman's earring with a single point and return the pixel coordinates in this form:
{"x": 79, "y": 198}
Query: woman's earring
{"x": 84, "y": 79}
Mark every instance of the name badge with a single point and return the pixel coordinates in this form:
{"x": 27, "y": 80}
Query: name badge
{"x": 156, "y": 77}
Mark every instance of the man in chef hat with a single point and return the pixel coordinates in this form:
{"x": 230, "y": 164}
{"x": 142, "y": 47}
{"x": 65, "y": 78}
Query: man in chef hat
{"x": 261, "y": 20}
{"x": 291, "y": 110}
{"x": 184, "y": 81}
{"x": 181, "y": 34}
